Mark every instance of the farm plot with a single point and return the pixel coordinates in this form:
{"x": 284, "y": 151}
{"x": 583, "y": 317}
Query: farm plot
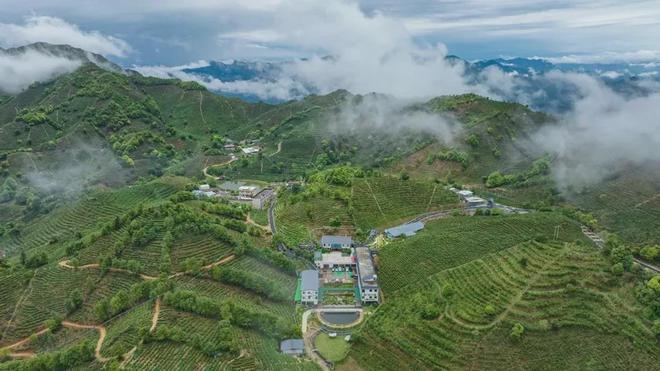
{"x": 255, "y": 266}
{"x": 123, "y": 332}
{"x": 45, "y": 297}
{"x": 541, "y": 286}
{"x": 222, "y": 292}
{"x": 382, "y": 201}
{"x": 202, "y": 247}
{"x": 104, "y": 287}
{"x": 265, "y": 351}
{"x": 12, "y": 288}
{"x": 297, "y": 222}
{"x": 85, "y": 215}
{"x": 59, "y": 339}
{"x": 450, "y": 242}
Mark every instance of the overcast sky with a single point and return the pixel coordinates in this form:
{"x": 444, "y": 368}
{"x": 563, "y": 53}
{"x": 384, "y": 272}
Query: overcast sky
{"x": 175, "y": 32}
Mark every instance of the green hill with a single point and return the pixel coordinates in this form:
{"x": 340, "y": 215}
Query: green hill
{"x": 107, "y": 260}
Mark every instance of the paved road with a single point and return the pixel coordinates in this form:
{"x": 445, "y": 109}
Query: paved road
{"x": 598, "y": 240}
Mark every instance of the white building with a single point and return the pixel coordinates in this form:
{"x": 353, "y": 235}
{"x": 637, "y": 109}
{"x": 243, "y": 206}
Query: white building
{"x": 367, "y": 278}
{"x": 247, "y": 192}
{"x": 464, "y": 194}
{"x": 250, "y": 150}
{"x": 204, "y": 187}
{"x": 309, "y": 287}
{"x": 336, "y": 242}
{"x": 476, "y": 202}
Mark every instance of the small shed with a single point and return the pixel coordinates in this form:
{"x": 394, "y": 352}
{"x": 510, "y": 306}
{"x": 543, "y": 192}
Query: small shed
{"x": 293, "y": 347}
{"x": 404, "y": 230}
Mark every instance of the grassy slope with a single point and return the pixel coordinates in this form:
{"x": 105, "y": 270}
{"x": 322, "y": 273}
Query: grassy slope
{"x": 450, "y": 242}
{"x": 563, "y": 284}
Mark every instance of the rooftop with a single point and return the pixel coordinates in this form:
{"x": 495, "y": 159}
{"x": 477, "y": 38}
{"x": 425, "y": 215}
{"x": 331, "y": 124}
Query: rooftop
{"x": 309, "y": 280}
{"x": 266, "y": 192}
{"x": 405, "y": 229}
{"x": 336, "y": 240}
{"x": 475, "y": 199}
{"x": 365, "y": 266}
{"x": 292, "y": 346}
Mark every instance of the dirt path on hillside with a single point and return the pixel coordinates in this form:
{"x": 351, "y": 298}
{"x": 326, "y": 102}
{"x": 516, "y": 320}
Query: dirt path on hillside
{"x": 154, "y": 317}
{"x": 249, "y": 220}
{"x": 651, "y": 199}
{"x": 206, "y": 168}
{"x": 201, "y": 102}
{"x": 28, "y": 353}
{"x": 154, "y": 322}
{"x": 66, "y": 264}
{"x": 102, "y": 333}
{"x": 279, "y": 149}
{"x": 310, "y": 349}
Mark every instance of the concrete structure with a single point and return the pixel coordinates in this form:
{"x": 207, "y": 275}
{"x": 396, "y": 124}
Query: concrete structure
{"x": 367, "y": 278}
{"x": 250, "y": 150}
{"x": 333, "y": 259}
{"x": 262, "y": 198}
{"x": 336, "y": 242}
{"x": 293, "y": 347}
{"x": 309, "y": 287}
{"x": 464, "y": 194}
{"x": 247, "y": 192}
{"x": 476, "y": 202}
{"x": 200, "y": 193}
{"x": 404, "y": 230}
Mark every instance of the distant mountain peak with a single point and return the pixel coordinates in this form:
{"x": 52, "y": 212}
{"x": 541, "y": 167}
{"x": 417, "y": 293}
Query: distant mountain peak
{"x": 65, "y": 51}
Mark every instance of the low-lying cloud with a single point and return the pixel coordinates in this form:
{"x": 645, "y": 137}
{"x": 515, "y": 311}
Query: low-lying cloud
{"x": 18, "y": 71}
{"x": 381, "y": 114}
{"x": 68, "y": 172}
{"x": 57, "y": 31}
{"x": 603, "y": 134}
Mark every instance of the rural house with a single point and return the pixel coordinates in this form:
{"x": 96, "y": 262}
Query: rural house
{"x": 309, "y": 287}
{"x": 367, "y": 278}
{"x": 336, "y": 242}
{"x": 292, "y": 347}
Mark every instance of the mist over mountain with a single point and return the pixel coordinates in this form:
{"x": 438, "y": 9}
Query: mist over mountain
{"x": 522, "y": 80}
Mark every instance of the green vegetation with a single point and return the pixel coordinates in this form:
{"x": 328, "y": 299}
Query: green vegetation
{"x": 560, "y": 288}
{"x": 121, "y": 246}
{"x": 332, "y": 349}
{"x": 450, "y": 242}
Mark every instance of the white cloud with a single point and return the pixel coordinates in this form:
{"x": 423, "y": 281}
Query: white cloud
{"x": 602, "y": 134}
{"x": 640, "y": 56}
{"x": 57, "y": 31}
{"x": 18, "y": 71}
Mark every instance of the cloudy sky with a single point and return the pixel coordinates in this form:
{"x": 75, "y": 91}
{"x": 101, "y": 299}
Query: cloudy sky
{"x": 171, "y": 32}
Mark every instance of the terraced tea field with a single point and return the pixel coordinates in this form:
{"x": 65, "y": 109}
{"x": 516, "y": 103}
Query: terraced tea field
{"x": 541, "y": 286}
{"x": 303, "y": 221}
{"x": 84, "y": 215}
{"x": 450, "y": 242}
{"x": 387, "y": 201}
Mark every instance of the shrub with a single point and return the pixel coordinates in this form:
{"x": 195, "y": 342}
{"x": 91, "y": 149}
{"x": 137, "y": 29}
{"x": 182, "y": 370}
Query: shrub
{"x": 517, "y": 331}
{"x": 430, "y": 312}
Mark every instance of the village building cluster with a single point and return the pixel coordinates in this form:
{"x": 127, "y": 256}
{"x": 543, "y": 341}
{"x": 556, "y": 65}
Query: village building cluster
{"x": 257, "y": 197}
{"x": 340, "y": 265}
